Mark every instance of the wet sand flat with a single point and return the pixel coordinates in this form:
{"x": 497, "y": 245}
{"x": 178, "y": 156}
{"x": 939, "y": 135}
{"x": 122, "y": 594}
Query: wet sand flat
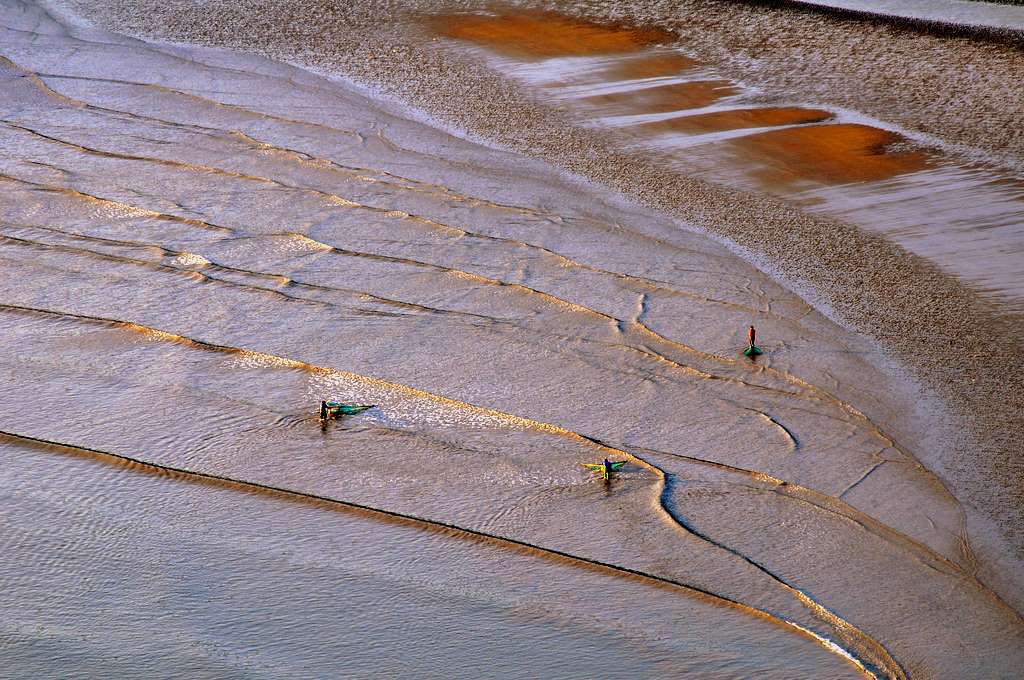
{"x": 259, "y": 583}
{"x": 244, "y": 238}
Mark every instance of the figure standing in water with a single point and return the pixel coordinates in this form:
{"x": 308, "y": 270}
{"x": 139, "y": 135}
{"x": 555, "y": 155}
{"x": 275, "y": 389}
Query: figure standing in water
{"x": 605, "y": 468}
{"x": 334, "y": 409}
{"x": 752, "y": 350}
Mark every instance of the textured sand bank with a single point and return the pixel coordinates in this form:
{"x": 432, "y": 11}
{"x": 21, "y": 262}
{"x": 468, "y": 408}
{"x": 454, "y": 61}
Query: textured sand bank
{"x": 219, "y": 216}
{"x": 963, "y": 91}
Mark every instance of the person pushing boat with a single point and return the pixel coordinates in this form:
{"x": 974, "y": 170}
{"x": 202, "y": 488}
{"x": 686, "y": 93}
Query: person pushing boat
{"x": 333, "y": 409}
{"x": 606, "y": 468}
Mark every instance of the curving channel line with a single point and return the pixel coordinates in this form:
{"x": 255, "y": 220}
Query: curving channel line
{"x": 869, "y": 655}
{"x": 452, "y": 530}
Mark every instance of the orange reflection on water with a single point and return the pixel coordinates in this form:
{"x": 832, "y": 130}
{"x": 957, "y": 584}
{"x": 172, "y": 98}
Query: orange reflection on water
{"x": 738, "y": 119}
{"x": 826, "y": 154}
{"x": 830, "y": 154}
{"x": 666, "y": 98}
{"x": 544, "y": 35}
{"x": 657, "y": 65}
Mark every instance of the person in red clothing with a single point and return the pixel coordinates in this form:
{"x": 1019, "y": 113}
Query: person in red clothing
{"x": 752, "y": 350}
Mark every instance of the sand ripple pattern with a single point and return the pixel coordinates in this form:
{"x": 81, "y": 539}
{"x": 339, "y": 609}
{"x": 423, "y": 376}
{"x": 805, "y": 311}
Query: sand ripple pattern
{"x": 189, "y": 270}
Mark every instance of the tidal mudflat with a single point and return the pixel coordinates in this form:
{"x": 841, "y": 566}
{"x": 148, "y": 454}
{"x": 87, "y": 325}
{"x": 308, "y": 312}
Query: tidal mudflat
{"x": 200, "y": 244}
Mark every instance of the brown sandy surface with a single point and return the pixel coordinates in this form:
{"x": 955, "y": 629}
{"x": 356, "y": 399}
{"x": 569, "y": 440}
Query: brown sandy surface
{"x": 965, "y": 91}
{"x": 958, "y": 89}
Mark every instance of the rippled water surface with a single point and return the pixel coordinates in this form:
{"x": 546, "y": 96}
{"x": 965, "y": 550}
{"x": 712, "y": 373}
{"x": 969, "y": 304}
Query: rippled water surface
{"x": 198, "y": 246}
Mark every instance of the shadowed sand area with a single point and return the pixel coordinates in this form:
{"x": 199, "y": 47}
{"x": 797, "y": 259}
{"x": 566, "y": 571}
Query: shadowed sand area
{"x": 245, "y": 238}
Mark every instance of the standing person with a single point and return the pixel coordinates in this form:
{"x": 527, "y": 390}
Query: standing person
{"x": 752, "y": 350}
